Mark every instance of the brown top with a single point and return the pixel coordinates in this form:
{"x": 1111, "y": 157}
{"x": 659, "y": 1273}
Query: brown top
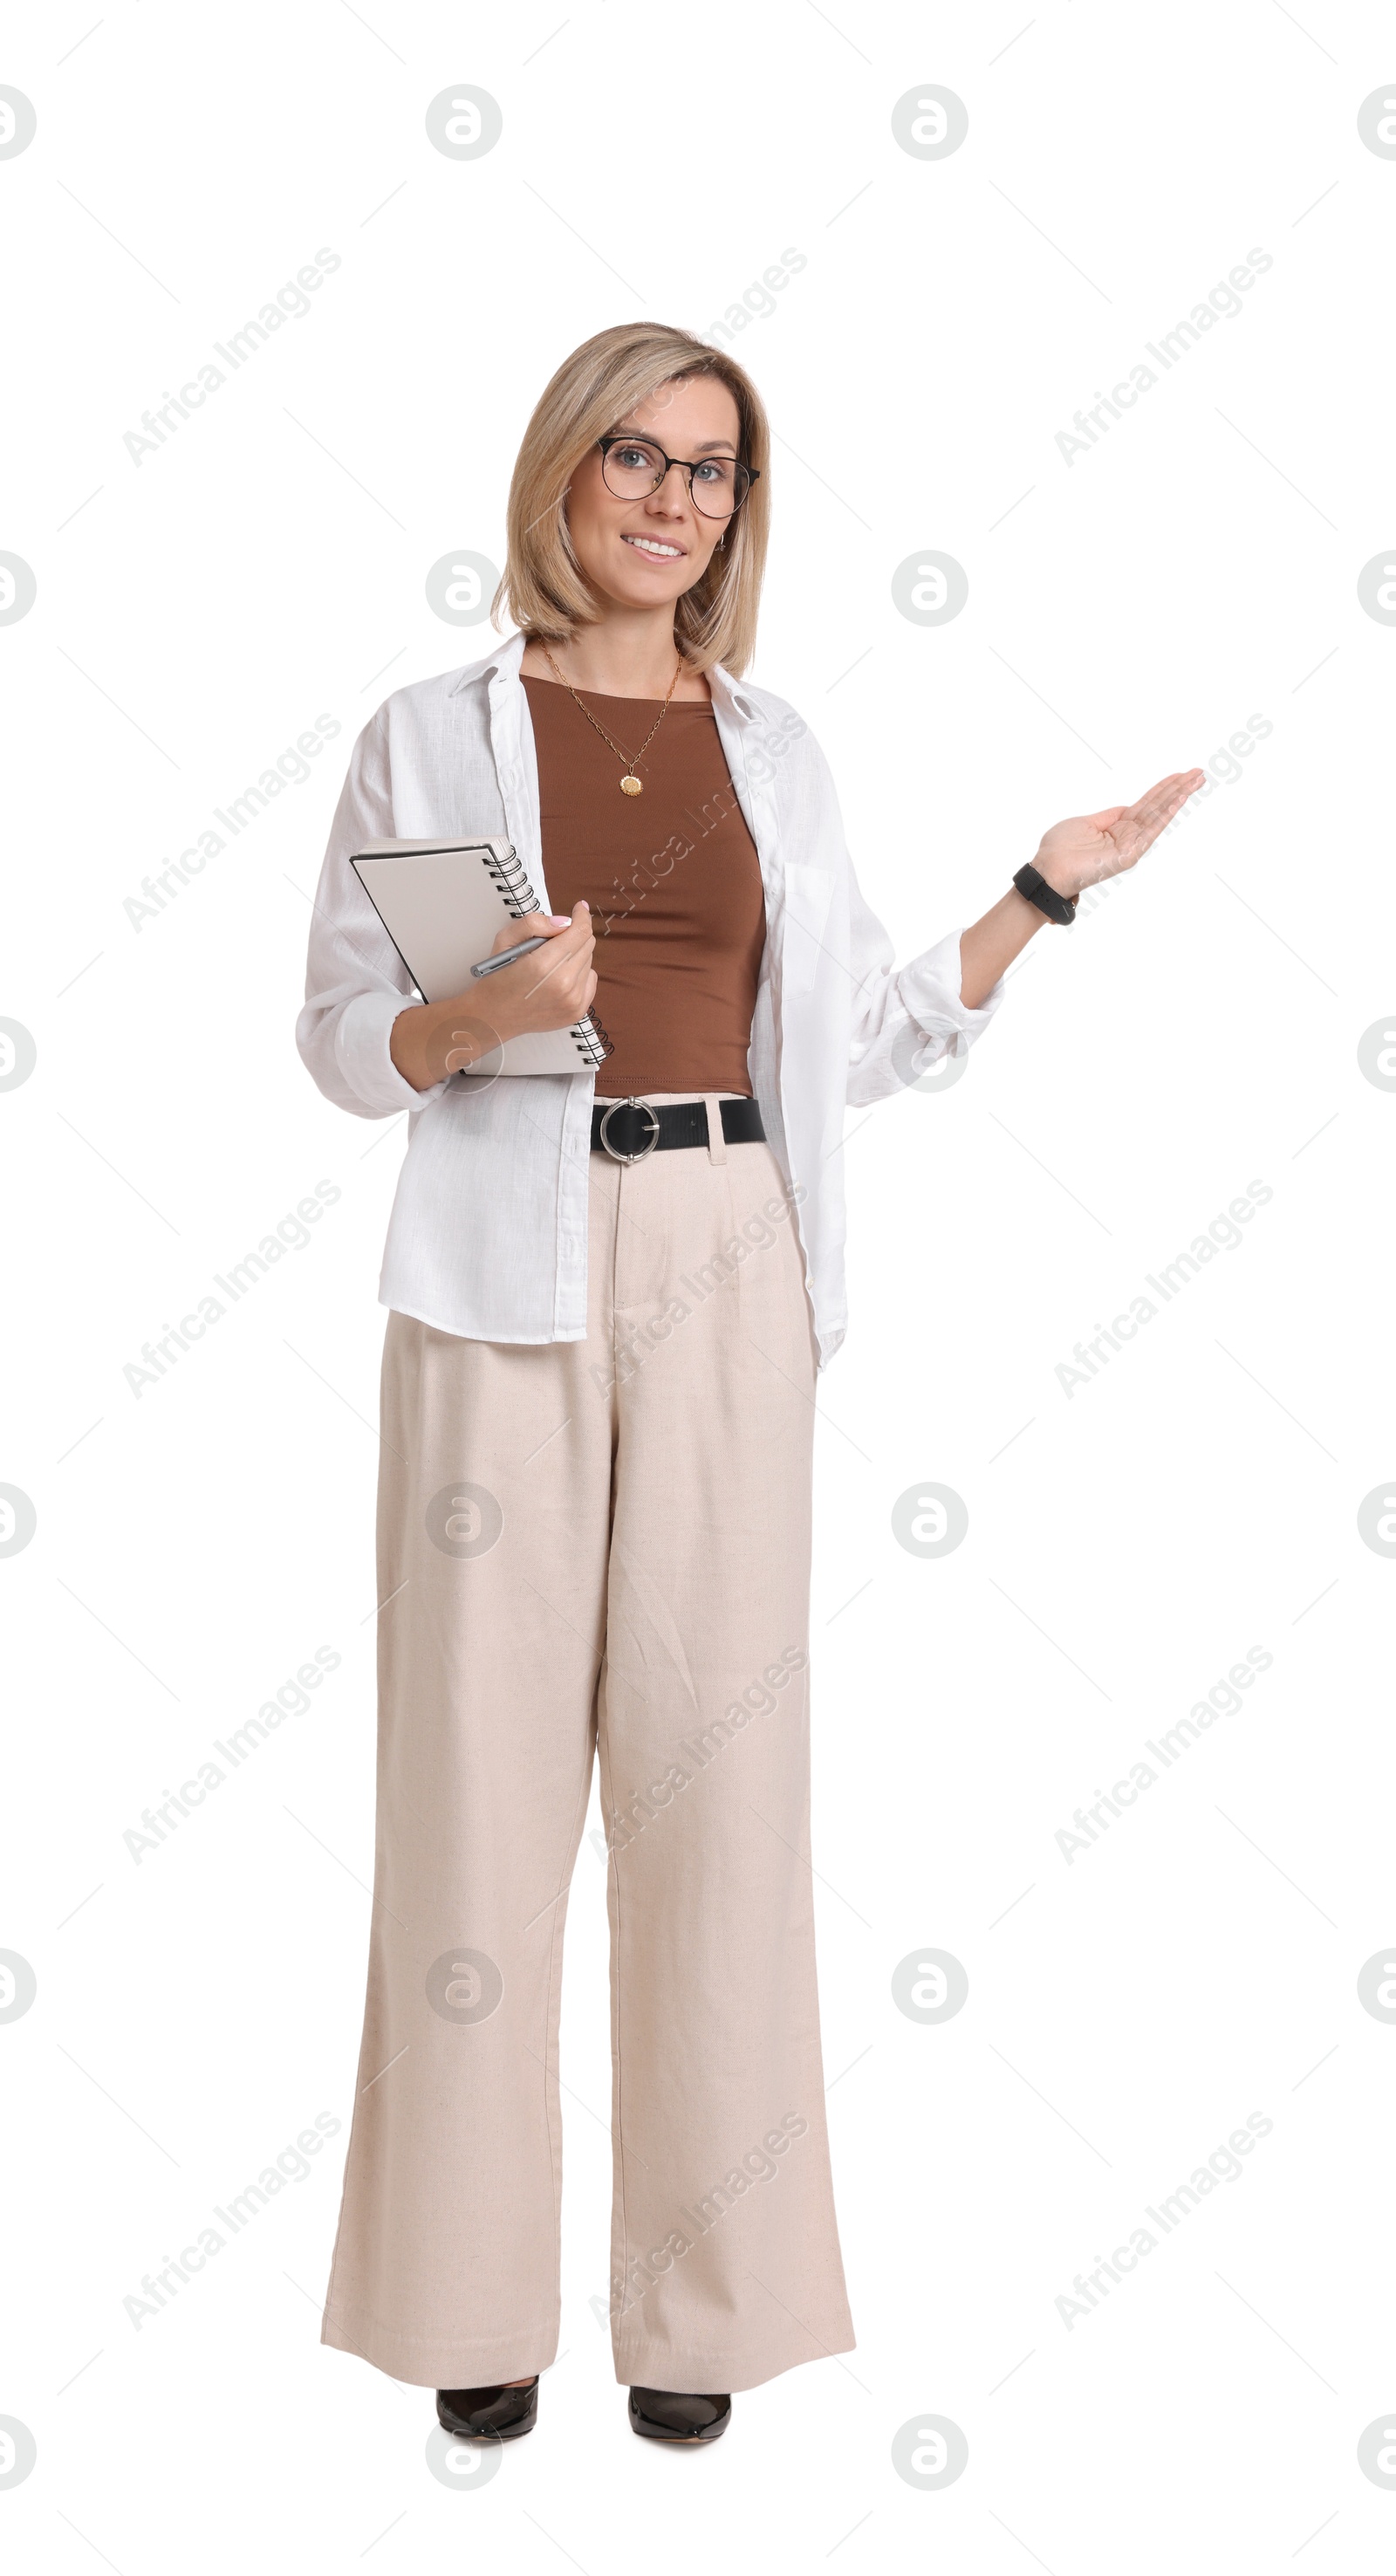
{"x": 673, "y": 881}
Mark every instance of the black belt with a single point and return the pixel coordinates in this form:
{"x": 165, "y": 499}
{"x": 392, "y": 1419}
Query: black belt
{"x": 630, "y": 1129}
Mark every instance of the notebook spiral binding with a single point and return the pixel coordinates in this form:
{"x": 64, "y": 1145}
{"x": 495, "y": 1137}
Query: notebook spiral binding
{"x": 511, "y": 877}
{"x": 590, "y": 1029}
{"x": 593, "y": 1043}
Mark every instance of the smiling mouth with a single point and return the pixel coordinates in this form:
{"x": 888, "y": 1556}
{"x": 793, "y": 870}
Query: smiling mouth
{"x": 657, "y": 548}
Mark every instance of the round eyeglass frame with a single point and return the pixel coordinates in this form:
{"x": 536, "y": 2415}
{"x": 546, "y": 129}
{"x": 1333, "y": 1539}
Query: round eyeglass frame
{"x": 687, "y": 467}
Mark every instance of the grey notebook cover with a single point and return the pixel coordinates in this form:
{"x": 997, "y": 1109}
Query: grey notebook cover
{"x": 442, "y": 904}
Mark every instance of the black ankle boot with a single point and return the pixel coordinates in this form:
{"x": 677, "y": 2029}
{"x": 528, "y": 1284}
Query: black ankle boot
{"x": 488, "y": 2414}
{"x": 663, "y": 2416}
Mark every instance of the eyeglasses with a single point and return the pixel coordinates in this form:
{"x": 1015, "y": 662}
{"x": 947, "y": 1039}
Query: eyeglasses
{"x": 632, "y": 468}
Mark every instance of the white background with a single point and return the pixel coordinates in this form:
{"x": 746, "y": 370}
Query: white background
{"x": 1127, "y": 1543}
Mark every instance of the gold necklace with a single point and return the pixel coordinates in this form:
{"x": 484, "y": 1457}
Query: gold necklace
{"x": 630, "y": 785}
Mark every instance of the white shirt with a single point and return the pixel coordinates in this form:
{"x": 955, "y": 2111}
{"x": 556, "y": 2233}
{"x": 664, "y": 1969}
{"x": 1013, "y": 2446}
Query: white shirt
{"x": 488, "y": 1233}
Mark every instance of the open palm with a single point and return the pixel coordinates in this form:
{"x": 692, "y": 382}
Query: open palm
{"x": 1087, "y": 848}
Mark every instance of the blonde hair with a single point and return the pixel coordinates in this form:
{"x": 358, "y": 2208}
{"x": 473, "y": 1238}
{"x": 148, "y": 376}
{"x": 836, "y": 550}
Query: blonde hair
{"x": 543, "y": 586}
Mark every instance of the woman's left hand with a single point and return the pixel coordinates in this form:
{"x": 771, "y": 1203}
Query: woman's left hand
{"x": 1090, "y": 847}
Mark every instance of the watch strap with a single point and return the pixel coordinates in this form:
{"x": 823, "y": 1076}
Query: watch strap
{"x": 1058, "y": 907}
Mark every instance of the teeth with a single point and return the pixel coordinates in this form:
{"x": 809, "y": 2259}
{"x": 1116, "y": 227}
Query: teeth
{"x": 647, "y": 546}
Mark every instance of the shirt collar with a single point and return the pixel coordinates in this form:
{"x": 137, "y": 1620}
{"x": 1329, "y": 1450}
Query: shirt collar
{"x": 503, "y": 664}
{"x": 731, "y": 696}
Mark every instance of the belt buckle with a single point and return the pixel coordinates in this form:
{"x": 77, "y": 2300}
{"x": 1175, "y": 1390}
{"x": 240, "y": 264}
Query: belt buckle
{"x": 614, "y": 1150}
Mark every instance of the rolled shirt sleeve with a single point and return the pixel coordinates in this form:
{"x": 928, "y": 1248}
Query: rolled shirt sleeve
{"x": 356, "y": 984}
{"x": 904, "y": 1017}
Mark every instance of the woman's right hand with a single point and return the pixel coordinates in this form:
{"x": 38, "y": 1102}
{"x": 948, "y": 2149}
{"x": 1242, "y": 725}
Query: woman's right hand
{"x": 548, "y": 989}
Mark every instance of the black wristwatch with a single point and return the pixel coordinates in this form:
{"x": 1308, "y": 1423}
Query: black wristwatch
{"x": 1058, "y": 907}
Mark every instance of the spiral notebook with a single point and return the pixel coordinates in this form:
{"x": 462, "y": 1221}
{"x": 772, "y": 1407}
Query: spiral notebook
{"x": 443, "y": 904}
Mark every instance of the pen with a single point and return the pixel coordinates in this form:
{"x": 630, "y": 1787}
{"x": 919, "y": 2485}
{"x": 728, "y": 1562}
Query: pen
{"x": 506, "y": 957}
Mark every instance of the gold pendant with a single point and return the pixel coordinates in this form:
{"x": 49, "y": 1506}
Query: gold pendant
{"x": 630, "y": 785}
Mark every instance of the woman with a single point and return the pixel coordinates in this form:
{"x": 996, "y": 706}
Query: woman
{"x": 597, "y": 1413}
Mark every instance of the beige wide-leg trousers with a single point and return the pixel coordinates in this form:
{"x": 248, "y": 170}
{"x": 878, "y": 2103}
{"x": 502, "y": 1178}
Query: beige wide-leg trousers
{"x": 601, "y": 1542}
